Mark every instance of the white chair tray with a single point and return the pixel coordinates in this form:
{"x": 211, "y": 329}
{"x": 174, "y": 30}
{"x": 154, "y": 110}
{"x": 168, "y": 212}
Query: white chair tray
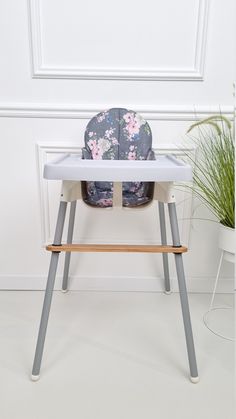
{"x": 165, "y": 168}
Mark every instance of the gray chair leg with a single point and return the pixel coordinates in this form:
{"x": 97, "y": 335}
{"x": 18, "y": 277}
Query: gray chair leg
{"x": 183, "y": 295}
{"x": 69, "y": 240}
{"x": 48, "y": 293}
{"x": 164, "y": 242}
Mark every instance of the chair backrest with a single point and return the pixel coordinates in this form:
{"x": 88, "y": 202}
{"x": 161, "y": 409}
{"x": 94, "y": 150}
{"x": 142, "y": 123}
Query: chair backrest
{"x": 118, "y": 134}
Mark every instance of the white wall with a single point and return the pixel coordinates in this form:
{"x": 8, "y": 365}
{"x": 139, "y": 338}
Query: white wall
{"x": 63, "y": 61}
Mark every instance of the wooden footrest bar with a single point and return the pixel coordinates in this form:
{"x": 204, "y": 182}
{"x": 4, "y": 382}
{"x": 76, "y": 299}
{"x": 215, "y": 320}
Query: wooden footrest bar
{"x": 116, "y": 248}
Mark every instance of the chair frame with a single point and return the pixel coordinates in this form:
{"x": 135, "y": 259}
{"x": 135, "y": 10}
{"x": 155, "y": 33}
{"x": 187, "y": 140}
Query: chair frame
{"x": 164, "y": 195}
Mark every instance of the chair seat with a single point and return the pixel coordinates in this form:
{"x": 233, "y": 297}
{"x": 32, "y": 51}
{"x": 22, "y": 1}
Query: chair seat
{"x": 134, "y": 194}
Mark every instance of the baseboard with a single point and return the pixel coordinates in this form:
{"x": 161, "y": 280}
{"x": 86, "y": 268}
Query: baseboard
{"x": 115, "y": 283}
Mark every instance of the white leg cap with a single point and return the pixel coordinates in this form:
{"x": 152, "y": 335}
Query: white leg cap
{"x": 35, "y": 377}
{"x": 168, "y": 292}
{"x": 64, "y": 291}
{"x": 194, "y": 380}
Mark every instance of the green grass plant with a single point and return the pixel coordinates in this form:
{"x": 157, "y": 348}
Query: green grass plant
{"x": 213, "y": 172}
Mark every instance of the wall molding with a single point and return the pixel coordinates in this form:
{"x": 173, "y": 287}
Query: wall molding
{"x": 41, "y": 70}
{"x": 114, "y": 283}
{"x": 77, "y": 111}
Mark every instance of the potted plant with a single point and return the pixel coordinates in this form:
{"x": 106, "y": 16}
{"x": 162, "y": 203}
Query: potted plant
{"x": 213, "y": 175}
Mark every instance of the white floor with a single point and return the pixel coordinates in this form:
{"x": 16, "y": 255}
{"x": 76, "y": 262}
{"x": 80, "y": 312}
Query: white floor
{"x": 112, "y": 356}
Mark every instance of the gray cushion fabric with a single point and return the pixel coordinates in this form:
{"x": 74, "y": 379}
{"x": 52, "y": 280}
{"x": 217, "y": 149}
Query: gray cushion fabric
{"x": 118, "y": 134}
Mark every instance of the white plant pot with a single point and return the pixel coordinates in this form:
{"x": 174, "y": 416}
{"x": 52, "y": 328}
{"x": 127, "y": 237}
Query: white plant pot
{"x": 227, "y": 245}
{"x": 227, "y": 242}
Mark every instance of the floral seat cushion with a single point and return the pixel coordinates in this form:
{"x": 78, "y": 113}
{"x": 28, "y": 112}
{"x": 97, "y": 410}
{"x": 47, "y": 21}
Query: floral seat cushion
{"x": 118, "y": 134}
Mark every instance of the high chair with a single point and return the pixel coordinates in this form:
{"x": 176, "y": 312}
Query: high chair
{"x": 118, "y": 168}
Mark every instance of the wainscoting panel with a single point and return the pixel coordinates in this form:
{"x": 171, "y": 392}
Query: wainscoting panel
{"x": 129, "y": 40}
{"x": 63, "y": 62}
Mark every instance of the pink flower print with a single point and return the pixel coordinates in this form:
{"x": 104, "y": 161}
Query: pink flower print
{"x": 114, "y": 140}
{"x": 131, "y": 155}
{"x": 92, "y": 144}
{"x": 128, "y": 117}
{"x": 133, "y": 123}
{"x": 133, "y": 128}
{"x": 97, "y": 153}
{"x": 105, "y": 202}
